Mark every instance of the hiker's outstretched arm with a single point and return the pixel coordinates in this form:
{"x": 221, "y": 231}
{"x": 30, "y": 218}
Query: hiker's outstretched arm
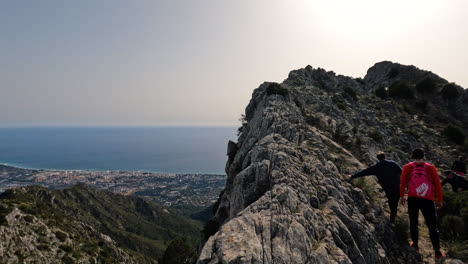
{"x": 369, "y": 171}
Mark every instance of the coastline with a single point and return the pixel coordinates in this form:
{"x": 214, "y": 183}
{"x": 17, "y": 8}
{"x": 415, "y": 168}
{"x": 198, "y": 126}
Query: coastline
{"x": 169, "y": 189}
{"x": 200, "y": 150}
{"x": 17, "y": 166}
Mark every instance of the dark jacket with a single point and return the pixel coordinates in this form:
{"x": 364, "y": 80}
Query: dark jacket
{"x": 457, "y": 182}
{"x": 459, "y": 165}
{"x": 388, "y": 175}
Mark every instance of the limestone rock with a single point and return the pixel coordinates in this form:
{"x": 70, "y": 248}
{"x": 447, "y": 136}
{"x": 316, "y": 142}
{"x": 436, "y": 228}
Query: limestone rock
{"x": 286, "y": 199}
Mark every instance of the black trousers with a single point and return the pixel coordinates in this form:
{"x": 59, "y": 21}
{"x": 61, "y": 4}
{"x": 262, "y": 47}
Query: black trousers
{"x": 393, "y": 199}
{"x": 428, "y": 210}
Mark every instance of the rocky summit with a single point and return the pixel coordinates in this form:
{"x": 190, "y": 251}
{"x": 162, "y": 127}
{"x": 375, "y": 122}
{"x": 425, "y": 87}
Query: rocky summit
{"x": 287, "y": 199}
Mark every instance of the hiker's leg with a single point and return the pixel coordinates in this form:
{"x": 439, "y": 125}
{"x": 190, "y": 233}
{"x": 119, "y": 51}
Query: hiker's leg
{"x": 413, "y": 212}
{"x": 429, "y": 213}
{"x": 393, "y": 199}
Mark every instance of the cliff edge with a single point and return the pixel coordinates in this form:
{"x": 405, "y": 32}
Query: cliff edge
{"x": 286, "y": 198}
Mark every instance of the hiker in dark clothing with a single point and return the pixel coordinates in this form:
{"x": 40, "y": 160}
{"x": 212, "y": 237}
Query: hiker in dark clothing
{"x": 459, "y": 166}
{"x": 388, "y": 175}
{"x": 459, "y": 184}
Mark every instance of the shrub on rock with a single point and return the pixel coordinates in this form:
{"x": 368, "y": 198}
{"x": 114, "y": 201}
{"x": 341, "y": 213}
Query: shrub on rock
{"x": 381, "y": 93}
{"x": 393, "y": 73}
{"x": 400, "y": 90}
{"x": 427, "y": 85}
{"x": 350, "y": 92}
{"x": 450, "y": 91}
{"x": 276, "y": 88}
{"x": 455, "y": 134}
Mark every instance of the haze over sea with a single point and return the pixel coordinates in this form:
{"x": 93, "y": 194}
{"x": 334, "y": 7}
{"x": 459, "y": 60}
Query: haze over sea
{"x": 155, "y": 149}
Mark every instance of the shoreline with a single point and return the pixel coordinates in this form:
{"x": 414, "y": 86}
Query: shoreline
{"x": 164, "y": 188}
{"x": 16, "y": 166}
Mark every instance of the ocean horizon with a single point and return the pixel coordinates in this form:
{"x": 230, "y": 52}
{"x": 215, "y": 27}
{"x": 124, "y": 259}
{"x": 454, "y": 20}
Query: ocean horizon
{"x": 164, "y": 149}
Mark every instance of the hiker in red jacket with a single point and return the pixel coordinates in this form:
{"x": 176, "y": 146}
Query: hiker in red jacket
{"x": 424, "y": 188}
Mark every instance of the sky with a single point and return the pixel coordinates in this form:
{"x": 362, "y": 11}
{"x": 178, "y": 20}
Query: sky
{"x": 196, "y": 63}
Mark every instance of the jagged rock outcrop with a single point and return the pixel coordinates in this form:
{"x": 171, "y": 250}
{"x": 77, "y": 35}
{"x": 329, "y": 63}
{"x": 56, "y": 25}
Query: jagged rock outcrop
{"x": 286, "y": 199}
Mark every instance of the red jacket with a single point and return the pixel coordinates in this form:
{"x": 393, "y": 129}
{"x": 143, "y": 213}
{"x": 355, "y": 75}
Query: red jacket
{"x": 433, "y": 177}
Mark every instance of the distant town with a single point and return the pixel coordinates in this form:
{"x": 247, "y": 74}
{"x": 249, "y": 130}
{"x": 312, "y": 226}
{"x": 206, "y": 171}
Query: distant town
{"x": 197, "y": 190}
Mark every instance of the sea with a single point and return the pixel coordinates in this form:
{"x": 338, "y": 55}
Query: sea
{"x": 200, "y": 150}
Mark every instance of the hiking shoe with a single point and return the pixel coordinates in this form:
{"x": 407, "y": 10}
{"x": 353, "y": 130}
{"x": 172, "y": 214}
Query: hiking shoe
{"x": 415, "y": 246}
{"x": 439, "y": 256}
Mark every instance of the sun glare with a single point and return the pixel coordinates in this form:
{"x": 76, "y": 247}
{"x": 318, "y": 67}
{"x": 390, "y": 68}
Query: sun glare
{"x": 372, "y": 16}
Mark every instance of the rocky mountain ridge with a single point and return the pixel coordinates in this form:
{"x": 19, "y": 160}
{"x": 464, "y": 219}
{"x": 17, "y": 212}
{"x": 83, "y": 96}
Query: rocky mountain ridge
{"x": 287, "y": 200}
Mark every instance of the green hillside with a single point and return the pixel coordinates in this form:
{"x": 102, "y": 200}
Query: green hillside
{"x": 76, "y": 221}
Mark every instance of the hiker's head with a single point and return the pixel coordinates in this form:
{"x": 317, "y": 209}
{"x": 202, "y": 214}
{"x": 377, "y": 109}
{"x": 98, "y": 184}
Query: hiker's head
{"x": 449, "y": 174}
{"x": 418, "y": 154}
{"x": 381, "y": 155}
{"x": 460, "y": 158}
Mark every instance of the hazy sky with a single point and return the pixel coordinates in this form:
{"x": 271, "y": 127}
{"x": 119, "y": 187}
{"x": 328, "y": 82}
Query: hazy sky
{"x": 197, "y": 62}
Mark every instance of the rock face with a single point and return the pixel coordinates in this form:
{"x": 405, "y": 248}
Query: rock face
{"x": 286, "y": 199}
